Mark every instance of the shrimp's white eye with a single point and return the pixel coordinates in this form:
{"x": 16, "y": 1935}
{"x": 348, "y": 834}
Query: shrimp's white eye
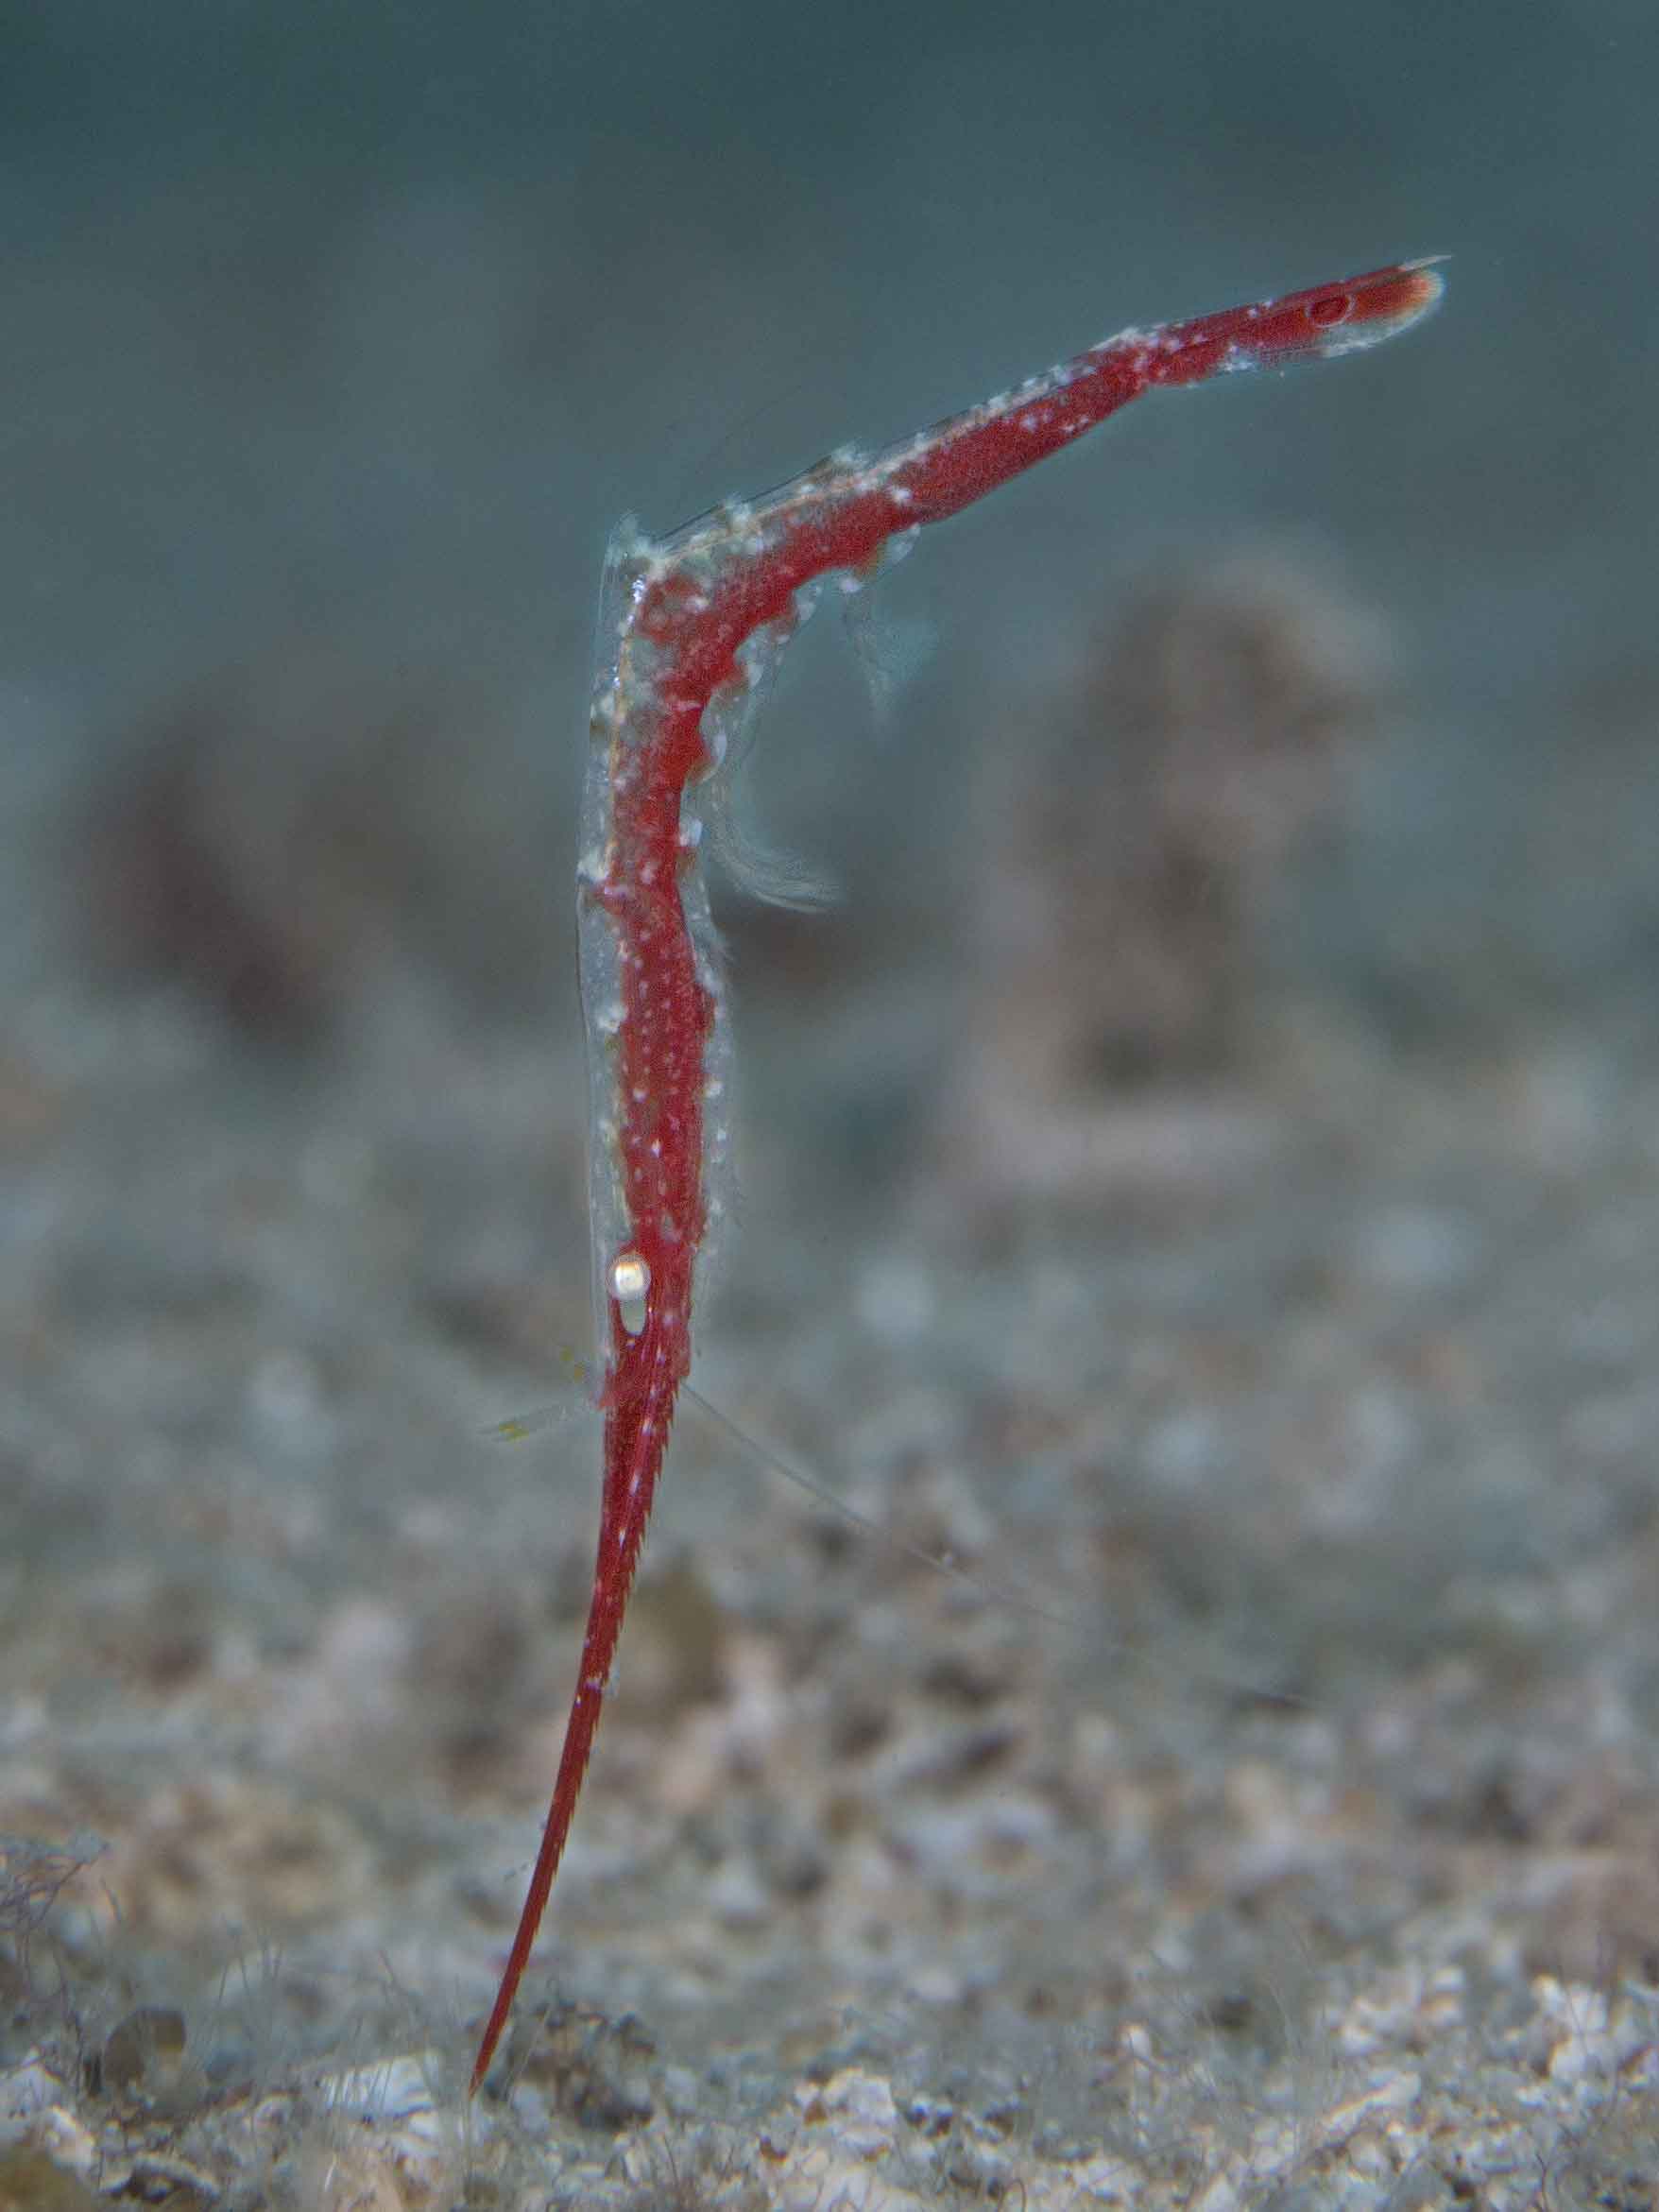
{"x": 630, "y": 1281}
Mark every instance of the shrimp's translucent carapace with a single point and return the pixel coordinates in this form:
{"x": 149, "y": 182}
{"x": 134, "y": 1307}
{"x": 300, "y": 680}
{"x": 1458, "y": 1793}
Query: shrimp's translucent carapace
{"x": 688, "y": 625}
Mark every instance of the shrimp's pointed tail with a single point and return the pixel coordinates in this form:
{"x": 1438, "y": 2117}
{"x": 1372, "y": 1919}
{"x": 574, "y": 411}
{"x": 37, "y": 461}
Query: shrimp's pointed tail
{"x": 636, "y": 1431}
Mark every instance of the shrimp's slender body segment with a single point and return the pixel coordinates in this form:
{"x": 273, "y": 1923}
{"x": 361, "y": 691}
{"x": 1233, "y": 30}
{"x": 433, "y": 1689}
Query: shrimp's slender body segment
{"x": 687, "y": 623}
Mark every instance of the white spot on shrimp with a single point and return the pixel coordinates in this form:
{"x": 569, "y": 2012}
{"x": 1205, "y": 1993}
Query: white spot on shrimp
{"x": 630, "y": 1285}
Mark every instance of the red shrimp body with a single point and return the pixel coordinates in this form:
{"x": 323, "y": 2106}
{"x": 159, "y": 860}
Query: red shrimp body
{"x": 683, "y": 620}
{"x": 668, "y": 1011}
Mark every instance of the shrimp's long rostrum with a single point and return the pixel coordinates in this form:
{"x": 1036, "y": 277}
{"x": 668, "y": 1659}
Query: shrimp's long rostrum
{"x": 685, "y": 624}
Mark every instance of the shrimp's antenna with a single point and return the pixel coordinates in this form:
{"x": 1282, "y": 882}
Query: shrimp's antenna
{"x": 998, "y": 1592}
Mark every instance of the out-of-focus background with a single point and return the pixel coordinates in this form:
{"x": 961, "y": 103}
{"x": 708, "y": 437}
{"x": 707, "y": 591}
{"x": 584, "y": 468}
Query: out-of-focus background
{"x": 1197, "y": 1175}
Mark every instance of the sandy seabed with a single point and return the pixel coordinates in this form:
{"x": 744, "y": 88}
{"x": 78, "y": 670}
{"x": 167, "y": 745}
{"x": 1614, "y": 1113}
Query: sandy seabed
{"x": 1262, "y": 1811}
